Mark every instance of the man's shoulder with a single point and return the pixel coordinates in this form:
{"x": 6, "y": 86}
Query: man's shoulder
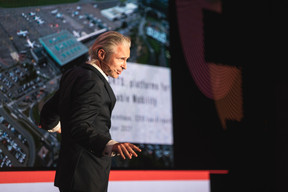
{"x": 83, "y": 71}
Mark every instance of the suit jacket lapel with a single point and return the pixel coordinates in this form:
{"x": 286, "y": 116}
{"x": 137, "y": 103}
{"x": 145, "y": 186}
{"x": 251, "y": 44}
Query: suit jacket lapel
{"x": 111, "y": 94}
{"x": 107, "y": 85}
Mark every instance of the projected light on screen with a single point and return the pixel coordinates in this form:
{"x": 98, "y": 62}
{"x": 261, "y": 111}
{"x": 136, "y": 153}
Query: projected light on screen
{"x": 216, "y": 80}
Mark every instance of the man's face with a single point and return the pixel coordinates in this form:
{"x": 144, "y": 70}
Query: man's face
{"x": 117, "y": 61}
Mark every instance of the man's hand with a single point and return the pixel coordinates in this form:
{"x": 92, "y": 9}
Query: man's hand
{"x": 125, "y": 150}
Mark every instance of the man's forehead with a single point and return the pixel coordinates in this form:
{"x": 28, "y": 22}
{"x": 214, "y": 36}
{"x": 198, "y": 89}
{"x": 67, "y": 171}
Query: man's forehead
{"x": 121, "y": 49}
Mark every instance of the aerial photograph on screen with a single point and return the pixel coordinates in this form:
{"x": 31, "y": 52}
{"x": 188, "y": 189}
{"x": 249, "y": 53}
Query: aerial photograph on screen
{"x": 39, "y": 40}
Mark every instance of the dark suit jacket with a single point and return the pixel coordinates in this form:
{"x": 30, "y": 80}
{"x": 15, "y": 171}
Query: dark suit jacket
{"x": 83, "y": 104}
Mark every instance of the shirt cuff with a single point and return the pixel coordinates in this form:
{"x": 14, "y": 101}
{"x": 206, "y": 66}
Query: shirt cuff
{"x": 56, "y": 128}
{"x": 108, "y": 149}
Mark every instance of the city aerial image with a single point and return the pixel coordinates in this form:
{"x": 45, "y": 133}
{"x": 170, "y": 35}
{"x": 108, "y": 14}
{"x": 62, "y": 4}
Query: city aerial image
{"x": 40, "y": 39}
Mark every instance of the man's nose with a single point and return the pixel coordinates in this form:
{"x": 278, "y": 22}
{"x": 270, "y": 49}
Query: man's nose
{"x": 124, "y": 66}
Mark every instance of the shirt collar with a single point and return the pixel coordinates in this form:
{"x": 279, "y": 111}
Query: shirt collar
{"x": 100, "y": 70}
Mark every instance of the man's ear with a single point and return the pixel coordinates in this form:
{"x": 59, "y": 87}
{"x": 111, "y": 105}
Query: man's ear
{"x": 101, "y": 54}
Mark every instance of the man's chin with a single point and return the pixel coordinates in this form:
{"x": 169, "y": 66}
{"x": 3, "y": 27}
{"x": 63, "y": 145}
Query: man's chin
{"x": 115, "y": 76}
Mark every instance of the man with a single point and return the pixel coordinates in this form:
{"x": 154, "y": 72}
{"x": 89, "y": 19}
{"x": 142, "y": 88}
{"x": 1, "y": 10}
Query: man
{"x": 81, "y": 110}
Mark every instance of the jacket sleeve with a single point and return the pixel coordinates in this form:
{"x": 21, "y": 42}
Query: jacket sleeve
{"x": 49, "y": 116}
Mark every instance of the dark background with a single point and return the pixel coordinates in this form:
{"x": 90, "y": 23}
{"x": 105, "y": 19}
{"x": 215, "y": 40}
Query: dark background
{"x": 247, "y": 149}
